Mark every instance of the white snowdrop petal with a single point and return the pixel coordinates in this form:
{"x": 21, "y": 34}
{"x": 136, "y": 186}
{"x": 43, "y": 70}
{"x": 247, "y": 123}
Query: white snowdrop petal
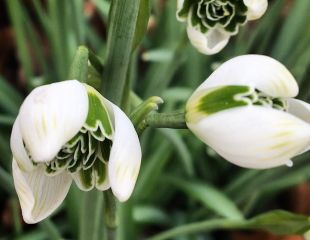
{"x": 39, "y": 195}
{"x": 299, "y": 108}
{"x": 254, "y": 136}
{"x": 256, "y": 8}
{"x": 262, "y": 72}
{"x": 210, "y": 43}
{"x": 18, "y": 149}
{"x": 125, "y": 155}
{"x": 50, "y": 116}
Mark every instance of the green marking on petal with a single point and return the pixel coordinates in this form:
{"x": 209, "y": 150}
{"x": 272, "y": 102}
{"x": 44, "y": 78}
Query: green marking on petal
{"x": 184, "y": 11}
{"x": 101, "y": 172}
{"x": 223, "y": 98}
{"x": 218, "y": 99}
{"x": 86, "y": 177}
{"x": 98, "y": 116}
{"x": 207, "y": 14}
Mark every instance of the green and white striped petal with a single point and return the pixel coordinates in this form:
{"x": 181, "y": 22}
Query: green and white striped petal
{"x": 39, "y": 195}
{"x": 95, "y": 177}
{"x": 18, "y": 149}
{"x": 98, "y": 121}
{"x": 256, "y": 8}
{"x": 254, "y": 136}
{"x": 125, "y": 155}
{"x": 50, "y": 116}
{"x": 261, "y": 72}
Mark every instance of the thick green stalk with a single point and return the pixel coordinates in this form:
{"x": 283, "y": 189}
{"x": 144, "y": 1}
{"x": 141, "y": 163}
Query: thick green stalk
{"x": 123, "y": 17}
{"x": 122, "y": 26}
{"x": 110, "y": 209}
{"x": 91, "y": 216}
{"x": 125, "y": 229}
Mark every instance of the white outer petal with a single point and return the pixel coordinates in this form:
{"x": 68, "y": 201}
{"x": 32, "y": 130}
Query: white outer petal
{"x": 256, "y": 8}
{"x": 210, "y": 43}
{"x": 125, "y": 156}
{"x": 253, "y": 136}
{"x": 18, "y": 149}
{"x": 262, "y": 72}
{"x": 50, "y": 116}
{"x": 299, "y": 108}
{"x": 39, "y": 195}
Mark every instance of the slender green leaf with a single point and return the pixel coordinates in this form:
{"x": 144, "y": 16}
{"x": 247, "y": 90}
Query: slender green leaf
{"x": 292, "y": 30}
{"x": 277, "y": 222}
{"x": 181, "y": 149}
{"x": 142, "y": 21}
{"x": 209, "y": 196}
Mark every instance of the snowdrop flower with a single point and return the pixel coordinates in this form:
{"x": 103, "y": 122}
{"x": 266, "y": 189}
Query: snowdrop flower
{"x": 210, "y": 23}
{"x": 246, "y": 112}
{"x": 68, "y": 132}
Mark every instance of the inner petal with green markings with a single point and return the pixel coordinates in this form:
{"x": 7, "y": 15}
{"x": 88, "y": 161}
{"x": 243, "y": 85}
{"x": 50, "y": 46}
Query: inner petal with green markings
{"x": 206, "y": 14}
{"x": 86, "y": 155}
{"x": 221, "y": 98}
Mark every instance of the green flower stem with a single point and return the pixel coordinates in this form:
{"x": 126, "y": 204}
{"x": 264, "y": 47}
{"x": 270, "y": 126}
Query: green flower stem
{"x": 110, "y": 209}
{"x": 126, "y": 229}
{"x": 174, "y": 120}
{"x": 122, "y": 27}
{"x": 16, "y": 216}
{"x": 91, "y": 215}
{"x": 123, "y": 19}
{"x": 141, "y": 111}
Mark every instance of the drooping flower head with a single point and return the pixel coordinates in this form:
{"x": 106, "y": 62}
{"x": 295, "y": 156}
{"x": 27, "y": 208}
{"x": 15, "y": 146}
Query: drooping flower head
{"x": 246, "y": 112}
{"x": 68, "y": 131}
{"x": 210, "y": 23}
